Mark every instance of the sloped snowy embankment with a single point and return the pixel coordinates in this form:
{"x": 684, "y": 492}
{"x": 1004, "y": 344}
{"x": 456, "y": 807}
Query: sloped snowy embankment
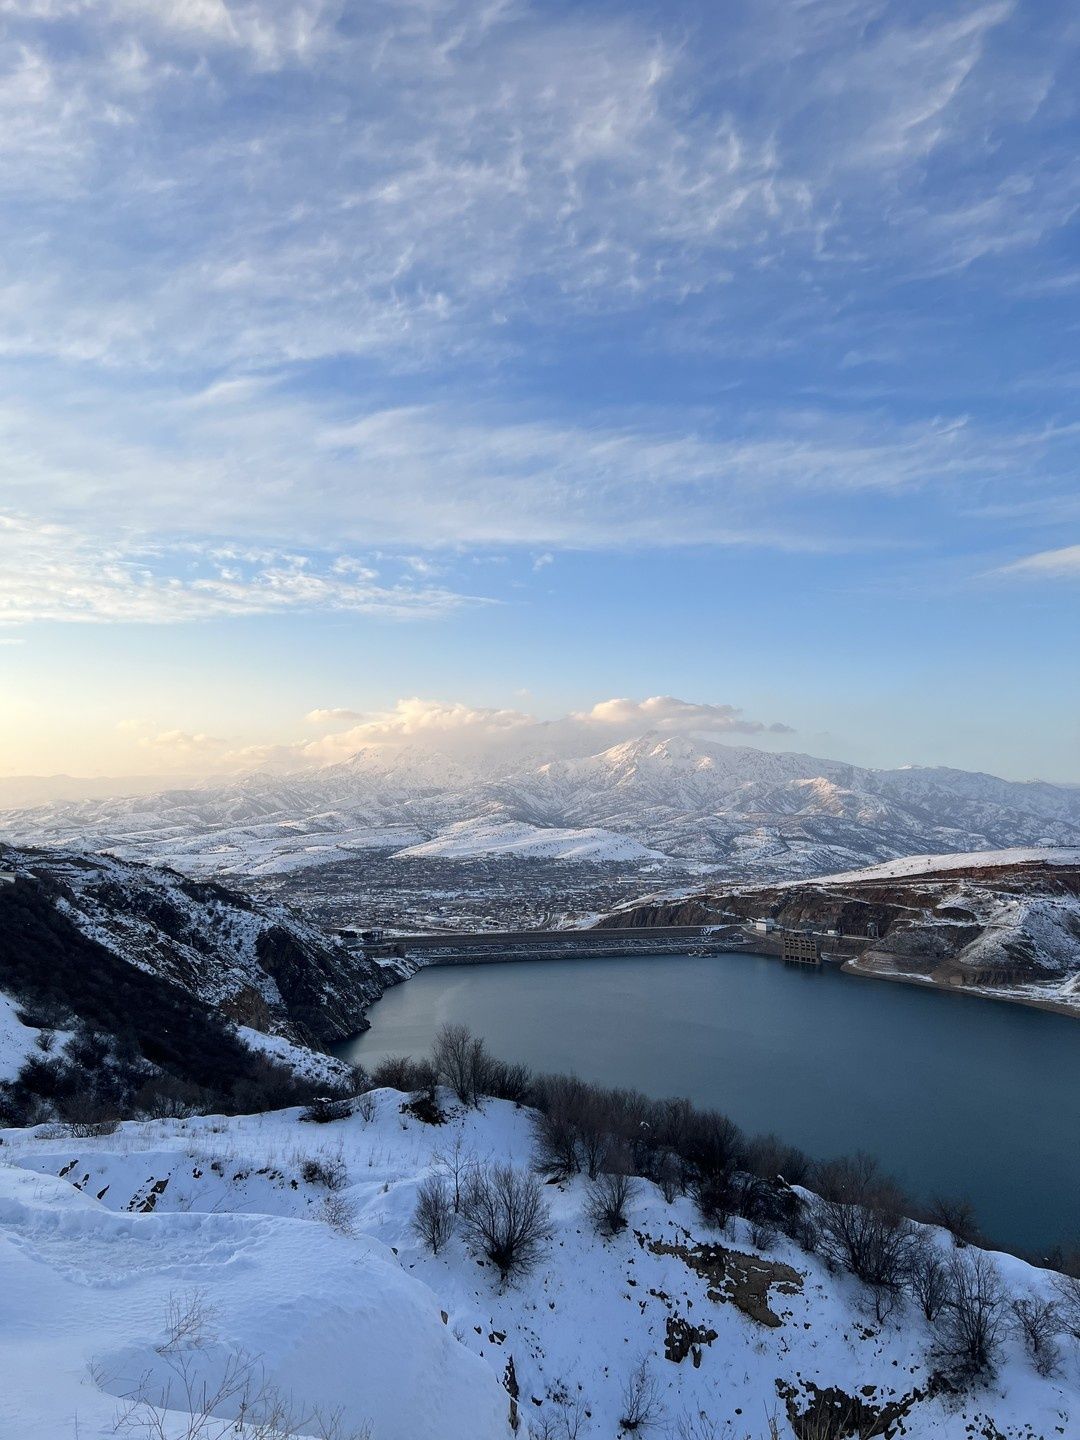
{"x": 294, "y": 1241}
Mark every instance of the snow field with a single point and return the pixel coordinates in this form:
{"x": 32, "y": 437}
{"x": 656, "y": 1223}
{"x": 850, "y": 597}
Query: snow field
{"x": 323, "y": 1284}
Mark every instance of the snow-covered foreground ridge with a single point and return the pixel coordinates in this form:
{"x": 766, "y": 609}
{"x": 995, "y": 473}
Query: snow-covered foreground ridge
{"x": 287, "y": 1248}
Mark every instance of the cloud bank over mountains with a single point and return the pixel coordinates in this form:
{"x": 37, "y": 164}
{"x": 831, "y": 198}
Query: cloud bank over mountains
{"x": 462, "y": 732}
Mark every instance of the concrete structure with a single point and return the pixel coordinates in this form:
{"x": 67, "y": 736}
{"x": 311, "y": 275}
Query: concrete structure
{"x": 800, "y": 947}
{"x": 765, "y": 925}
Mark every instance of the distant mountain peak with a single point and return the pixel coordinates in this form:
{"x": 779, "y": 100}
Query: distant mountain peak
{"x": 755, "y": 813}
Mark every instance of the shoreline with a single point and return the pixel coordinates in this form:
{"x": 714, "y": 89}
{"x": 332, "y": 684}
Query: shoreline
{"x": 1032, "y": 1002}
{"x": 847, "y": 966}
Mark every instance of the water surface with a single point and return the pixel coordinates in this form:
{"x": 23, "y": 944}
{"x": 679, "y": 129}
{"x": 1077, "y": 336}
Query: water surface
{"x": 955, "y": 1095}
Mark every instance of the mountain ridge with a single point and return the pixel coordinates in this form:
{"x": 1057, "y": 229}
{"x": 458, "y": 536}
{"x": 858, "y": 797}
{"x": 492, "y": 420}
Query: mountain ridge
{"x": 756, "y": 813}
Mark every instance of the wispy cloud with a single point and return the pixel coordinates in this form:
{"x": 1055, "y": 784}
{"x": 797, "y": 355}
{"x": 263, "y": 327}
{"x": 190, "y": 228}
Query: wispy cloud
{"x": 254, "y": 253}
{"x": 429, "y": 173}
{"x": 1063, "y": 563}
{"x": 50, "y": 572}
{"x": 151, "y": 468}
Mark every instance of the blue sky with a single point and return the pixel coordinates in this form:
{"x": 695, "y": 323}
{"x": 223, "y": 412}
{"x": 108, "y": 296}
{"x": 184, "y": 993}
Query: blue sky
{"x": 517, "y": 357}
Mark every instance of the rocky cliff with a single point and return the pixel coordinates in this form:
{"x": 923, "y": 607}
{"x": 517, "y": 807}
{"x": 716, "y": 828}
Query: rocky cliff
{"x": 1001, "y": 926}
{"x": 256, "y": 964}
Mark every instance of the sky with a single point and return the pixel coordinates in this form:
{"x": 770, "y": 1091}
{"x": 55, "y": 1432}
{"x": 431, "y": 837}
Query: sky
{"x": 390, "y": 367}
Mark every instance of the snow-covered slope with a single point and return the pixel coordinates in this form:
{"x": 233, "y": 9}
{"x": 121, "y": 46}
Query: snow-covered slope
{"x": 251, "y": 962}
{"x": 470, "y": 838}
{"x": 911, "y": 865}
{"x": 756, "y": 813}
{"x": 328, "y": 1295}
{"x": 17, "y": 1040}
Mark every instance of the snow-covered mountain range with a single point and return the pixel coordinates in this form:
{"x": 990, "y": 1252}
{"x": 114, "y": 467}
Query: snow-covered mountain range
{"x": 754, "y": 813}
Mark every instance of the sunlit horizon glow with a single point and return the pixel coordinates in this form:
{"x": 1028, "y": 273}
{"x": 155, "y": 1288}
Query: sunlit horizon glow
{"x": 521, "y": 357}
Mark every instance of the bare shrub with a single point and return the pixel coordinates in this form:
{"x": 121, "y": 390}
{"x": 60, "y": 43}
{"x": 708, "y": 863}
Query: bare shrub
{"x": 928, "y": 1278}
{"x": 567, "y": 1420}
{"x": 862, "y": 1222}
{"x": 399, "y": 1072}
{"x": 971, "y": 1324}
{"x": 325, "y": 1108}
{"x": 714, "y": 1195}
{"x": 1038, "y": 1324}
{"x": 640, "y": 1409}
{"x": 555, "y": 1127}
{"x": 165, "y": 1097}
{"x": 366, "y": 1107}
{"x": 434, "y": 1218}
{"x": 506, "y": 1081}
{"x": 1068, "y": 1303}
{"x": 957, "y": 1215}
{"x": 189, "y": 1320}
{"x": 339, "y": 1214}
{"x": 762, "y": 1235}
{"x": 769, "y": 1205}
{"x": 326, "y": 1170}
{"x": 505, "y": 1216}
{"x": 239, "y": 1401}
{"x": 770, "y": 1158}
{"x": 714, "y": 1145}
{"x": 607, "y": 1200}
{"x": 83, "y": 1117}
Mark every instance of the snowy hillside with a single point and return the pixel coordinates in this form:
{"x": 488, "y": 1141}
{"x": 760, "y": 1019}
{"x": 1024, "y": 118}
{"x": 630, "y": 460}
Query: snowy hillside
{"x": 258, "y": 964}
{"x": 470, "y": 838}
{"x": 156, "y": 1264}
{"x": 1003, "y": 923}
{"x": 755, "y": 813}
{"x": 932, "y": 864}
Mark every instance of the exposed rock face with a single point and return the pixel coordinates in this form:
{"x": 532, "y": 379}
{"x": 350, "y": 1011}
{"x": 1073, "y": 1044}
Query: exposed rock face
{"x": 260, "y": 965}
{"x": 991, "y": 926}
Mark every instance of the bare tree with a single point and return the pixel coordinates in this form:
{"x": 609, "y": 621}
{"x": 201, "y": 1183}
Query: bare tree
{"x": 669, "y": 1176}
{"x": 569, "y": 1421}
{"x": 862, "y": 1224}
{"x": 461, "y": 1061}
{"x": 435, "y": 1216}
{"x": 641, "y": 1408}
{"x": 506, "y": 1081}
{"x": 971, "y": 1324}
{"x": 607, "y": 1199}
{"x": 1068, "y": 1303}
{"x": 957, "y": 1215}
{"x": 555, "y": 1126}
{"x": 456, "y": 1163}
{"x": 1038, "y": 1324}
{"x": 505, "y": 1217}
{"x": 928, "y": 1278}
{"x": 714, "y": 1195}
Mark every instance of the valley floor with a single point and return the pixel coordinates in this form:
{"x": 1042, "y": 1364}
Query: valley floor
{"x": 147, "y": 1263}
